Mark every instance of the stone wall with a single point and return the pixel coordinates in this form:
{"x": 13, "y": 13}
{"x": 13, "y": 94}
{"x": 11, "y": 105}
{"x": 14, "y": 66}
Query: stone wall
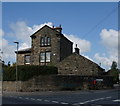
{"x": 59, "y": 82}
{"x": 78, "y": 65}
{"x": 11, "y": 85}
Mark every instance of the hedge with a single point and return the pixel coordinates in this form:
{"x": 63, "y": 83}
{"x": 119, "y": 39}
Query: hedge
{"x": 27, "y": 71}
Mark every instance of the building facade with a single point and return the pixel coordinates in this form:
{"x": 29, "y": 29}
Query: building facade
{"x": 50, "y": 47}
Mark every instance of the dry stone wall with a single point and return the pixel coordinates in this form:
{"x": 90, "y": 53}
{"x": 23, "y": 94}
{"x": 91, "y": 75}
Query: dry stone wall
{"x": 59, "y": 82}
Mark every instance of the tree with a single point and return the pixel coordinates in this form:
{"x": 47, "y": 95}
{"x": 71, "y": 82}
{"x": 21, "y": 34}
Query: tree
{"x": 114, "y": 65}
{"x": 114, "y": 72}
{"x": 14, "y": 64}
{"x": 3, "y": 64}
{"x": 8, "y": 63}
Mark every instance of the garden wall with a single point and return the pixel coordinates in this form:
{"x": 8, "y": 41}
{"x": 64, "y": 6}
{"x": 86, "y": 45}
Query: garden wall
{"x": 60, "y": 82}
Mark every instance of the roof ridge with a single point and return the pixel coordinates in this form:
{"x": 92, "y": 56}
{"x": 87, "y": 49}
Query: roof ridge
{"x": 42, "y": 28}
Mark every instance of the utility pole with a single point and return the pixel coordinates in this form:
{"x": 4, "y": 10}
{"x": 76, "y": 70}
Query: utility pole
{"x": 17, "y": 43}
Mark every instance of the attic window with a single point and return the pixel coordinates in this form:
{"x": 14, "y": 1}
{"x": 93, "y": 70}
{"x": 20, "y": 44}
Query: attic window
{"x": 42, "y": 41}
{"x": 48, "y": 41}
{"x": 45, "y": 41}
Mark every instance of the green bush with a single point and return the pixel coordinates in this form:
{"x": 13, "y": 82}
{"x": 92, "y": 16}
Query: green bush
{"x": 27, "y": 71}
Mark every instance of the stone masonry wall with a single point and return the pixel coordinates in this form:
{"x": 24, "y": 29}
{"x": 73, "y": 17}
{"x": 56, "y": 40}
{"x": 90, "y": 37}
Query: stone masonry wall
{"x": 11, "y": 85}
{"x": 78, "y": 65}
{"x": 59, "y": 82}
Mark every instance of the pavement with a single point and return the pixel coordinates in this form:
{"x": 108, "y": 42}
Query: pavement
{"x": 74, "y": 98}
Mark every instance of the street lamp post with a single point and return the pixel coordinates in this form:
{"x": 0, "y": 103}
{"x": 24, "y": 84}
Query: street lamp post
{"x": 17, "y": 43}
{"x": 1, "y": 71}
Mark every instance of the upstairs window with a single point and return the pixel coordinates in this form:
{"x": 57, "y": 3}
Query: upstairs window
{"x": 27, "y": 59}
{"x": 48, "y": 41}
{"x": 45, "y": 41}
{"x": 42, "y": 41}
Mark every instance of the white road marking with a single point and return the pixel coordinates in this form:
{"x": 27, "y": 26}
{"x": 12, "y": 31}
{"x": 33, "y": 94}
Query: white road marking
{"x": 82, "y": 103}
{"x": 39, "y": 99}
{"x": 64, "y": 103}
{"x": 27, "y": 98}
{"x": 117, "y": 100}
{"x": 32, "y": 99}
{"x": 95, "y": 100}
{"x": 20, "y": 97}
{"x": 46, "y": 100}
{"x": 55, "y": 101}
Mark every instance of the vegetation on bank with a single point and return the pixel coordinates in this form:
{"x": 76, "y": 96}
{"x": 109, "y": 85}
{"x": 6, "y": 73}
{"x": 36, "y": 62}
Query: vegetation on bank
{"x": 26, "y": 72}
{"x": 114, "y": 72}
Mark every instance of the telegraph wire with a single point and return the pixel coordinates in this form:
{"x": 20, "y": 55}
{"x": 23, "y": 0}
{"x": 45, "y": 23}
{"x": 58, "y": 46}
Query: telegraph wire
{"x": 101, "y": 21}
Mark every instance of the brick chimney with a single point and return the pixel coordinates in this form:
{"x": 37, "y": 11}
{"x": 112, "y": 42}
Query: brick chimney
{"x": 59, "y": 29}
{"x": 77, "y": 49}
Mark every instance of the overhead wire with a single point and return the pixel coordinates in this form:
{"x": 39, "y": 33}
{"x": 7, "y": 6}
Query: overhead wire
{"x": 101, "y": 21}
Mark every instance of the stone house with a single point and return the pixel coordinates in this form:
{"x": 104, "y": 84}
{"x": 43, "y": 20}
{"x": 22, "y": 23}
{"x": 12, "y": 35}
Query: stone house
{"x": 76, "y": 64}
{"x": 50, "y": 47}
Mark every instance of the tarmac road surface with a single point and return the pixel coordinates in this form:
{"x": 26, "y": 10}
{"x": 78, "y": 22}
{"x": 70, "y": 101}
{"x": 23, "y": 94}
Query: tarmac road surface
{"x": 76, "y": 98}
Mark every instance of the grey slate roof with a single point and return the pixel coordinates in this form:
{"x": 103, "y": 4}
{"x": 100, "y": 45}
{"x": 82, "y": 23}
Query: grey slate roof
{"x": 28, "y": 50}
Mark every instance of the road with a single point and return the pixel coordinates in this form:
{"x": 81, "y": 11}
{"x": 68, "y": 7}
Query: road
{"x": 75, "y": 98}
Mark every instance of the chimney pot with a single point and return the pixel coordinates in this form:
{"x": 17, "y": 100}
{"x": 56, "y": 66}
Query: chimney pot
{"x": 77, "y": 49}
{"x": 59, "y": 29}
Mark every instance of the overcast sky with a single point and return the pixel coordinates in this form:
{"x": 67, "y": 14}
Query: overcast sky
{"x": 93, "y": 26}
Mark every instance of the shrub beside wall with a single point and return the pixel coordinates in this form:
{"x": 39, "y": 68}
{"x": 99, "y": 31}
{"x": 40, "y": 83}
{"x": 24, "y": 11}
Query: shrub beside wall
{"x": 27, "y": 71}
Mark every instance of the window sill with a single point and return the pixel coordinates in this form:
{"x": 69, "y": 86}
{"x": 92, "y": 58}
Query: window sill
{"x": 27, "y": 63}
{"x": 45, "y": 46}
{"x": 43, "y": 63}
